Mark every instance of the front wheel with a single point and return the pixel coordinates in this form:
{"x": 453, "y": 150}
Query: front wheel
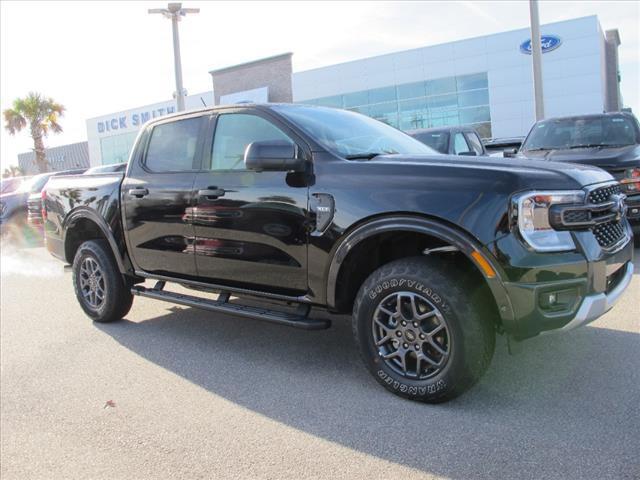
{"x": 420, "y": 332}
{"x": 102, "y": 291}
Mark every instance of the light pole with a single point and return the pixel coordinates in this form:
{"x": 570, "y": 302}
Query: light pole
{"x": 536, "y": 57}
{"x": 175, "y": 12}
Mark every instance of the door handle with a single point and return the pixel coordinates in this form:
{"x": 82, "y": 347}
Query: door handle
{"x": 138, "y": 192}
{"x": 212, "y": 192}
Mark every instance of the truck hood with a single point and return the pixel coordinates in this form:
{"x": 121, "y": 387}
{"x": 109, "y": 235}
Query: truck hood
{"x": 522, "y": 172}
{"x": 610, "y": 159}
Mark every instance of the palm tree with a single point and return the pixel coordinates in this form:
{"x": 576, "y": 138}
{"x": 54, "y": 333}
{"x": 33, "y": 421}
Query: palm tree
{"x": 41, "y": 114}
{"x": 12, "y": 171}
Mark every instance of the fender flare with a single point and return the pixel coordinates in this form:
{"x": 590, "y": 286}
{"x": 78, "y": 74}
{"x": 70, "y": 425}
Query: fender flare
{"x": 86, "y": 213}
{"x": 464, "y": 242}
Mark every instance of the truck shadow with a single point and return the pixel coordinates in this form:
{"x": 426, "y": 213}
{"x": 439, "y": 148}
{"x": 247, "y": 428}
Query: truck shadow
{"x": 550, "y": 406}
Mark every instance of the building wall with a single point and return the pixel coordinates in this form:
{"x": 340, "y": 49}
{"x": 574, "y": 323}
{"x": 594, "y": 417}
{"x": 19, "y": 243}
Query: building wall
{"x": 66, "y": 157}
{"x": 571, "y": 73}
{"x": 111, "y": 136}
{"x": 273, "y": 73}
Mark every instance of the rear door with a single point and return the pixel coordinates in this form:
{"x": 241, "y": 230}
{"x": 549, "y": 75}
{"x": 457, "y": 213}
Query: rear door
{"x": 157, "y": 195}
{"x": 250, "y": 226}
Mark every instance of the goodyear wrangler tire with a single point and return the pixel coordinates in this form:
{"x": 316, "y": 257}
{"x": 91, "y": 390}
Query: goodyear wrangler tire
{"x": 421, "y": 333}
{"x": 102, "y": 291}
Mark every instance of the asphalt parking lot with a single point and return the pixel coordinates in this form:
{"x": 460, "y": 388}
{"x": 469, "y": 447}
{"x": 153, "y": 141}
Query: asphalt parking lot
{"x": 173, "y": 392}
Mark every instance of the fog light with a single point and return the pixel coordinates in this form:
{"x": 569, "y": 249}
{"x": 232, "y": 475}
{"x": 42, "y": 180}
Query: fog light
{"x": 558, "y": 300}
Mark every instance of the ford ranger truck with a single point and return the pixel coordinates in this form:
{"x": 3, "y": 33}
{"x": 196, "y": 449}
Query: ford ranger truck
{"x": 609, "y": 140}
{"x": 315, "y": 208}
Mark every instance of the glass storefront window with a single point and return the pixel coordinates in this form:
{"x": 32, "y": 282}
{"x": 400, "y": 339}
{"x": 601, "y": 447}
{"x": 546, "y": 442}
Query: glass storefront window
{"x": 384, "y": 94}
{"x": 414, "y": 121}
{"x": 473, "y": 98}
{"x": 443, "y": 102}
{"x": 472, "y": 82}
{"x": 363, "y": 110}
{"x": 356, "y": 99}
{"x": 439, "y": 102}
{"x": 441, "y": 86}
{"x": 335, "y": 101}
{"x": 412, "y": 90}
{"x": 474, "y": 115}
{"x": 115, "y": 149}
{"x": 415, "y": 105}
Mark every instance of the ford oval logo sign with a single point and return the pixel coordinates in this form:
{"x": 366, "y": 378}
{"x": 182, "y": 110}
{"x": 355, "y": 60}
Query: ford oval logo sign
{"x": 547, "y": 43}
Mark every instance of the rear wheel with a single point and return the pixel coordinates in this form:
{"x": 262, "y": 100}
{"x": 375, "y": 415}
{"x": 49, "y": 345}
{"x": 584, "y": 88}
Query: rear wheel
{"x": 101, "y": 290}
{"x": 420, "y": 331}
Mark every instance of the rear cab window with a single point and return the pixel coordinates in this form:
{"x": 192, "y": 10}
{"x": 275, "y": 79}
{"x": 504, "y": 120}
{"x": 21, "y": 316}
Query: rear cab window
{"x": 173, "y": 145}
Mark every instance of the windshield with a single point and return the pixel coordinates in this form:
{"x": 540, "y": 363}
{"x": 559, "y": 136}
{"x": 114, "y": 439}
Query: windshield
{"x": 437, "y": 140}
{"x": 34, "y": 184}
{"x": 350, "y": 134}
{"x": 8, "y": 185}
{"x": 576, "y": 132}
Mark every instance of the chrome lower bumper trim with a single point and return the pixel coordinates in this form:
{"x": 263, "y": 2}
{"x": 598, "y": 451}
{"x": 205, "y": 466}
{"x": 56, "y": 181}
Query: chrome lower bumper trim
{"x": 594, "y": 306}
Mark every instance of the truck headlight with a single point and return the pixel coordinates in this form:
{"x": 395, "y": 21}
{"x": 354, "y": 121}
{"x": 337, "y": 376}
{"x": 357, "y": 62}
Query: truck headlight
{"x": 530, "y": 212}
{"x": 631, "y": 181}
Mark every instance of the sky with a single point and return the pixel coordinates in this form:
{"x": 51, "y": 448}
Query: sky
{"x": 100, "y": 57}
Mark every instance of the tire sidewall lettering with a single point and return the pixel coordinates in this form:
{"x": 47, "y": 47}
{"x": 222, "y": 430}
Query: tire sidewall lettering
{"x": 413, "y": 390}
{"x": 385, "y": 285}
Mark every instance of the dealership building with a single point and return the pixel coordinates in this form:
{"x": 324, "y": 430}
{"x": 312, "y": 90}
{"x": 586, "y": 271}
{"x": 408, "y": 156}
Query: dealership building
{"x": 484, "y": 81}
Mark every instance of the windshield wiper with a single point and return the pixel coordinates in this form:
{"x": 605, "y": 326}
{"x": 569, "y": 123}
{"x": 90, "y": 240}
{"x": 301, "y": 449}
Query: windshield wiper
{"x": 588, "y": 145}
{"x": 363, "y": 155}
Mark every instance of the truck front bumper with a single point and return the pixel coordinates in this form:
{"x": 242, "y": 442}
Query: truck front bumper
{"x": 560, "y": 291}
{"x": 596, "y": 305}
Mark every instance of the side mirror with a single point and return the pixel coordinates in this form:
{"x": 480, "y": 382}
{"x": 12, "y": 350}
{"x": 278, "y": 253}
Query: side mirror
{"x": 273, "y": 155}
{"x": 468, "y": 154}
{"x": 510, "y": 152}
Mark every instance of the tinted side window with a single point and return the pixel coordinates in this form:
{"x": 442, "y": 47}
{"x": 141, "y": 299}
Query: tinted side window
{"x": 437, "y": 141}
{"x": 172, "y": 146}
{"x": 234, "y": 132}
{"x": 459, "y": 144}
{"x": 475, "y": 142}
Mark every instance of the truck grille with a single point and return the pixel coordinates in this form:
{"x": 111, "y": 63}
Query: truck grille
{"x": 601, "y": 195}
{"x": 608, "y": 234}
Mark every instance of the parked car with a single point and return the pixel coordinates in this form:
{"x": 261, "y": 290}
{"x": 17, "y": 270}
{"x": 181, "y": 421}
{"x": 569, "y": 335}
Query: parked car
{"x": 503, "y": 147}
{"x": 115, "y": 167}
{"x": 13, "y": 206}
{"x": 460, "y": 140}
{"x": 610, "y": 141}
{"x": 34, "y": 200}
{"x": 316, "y": 207}
{"x": 11, "y": 184}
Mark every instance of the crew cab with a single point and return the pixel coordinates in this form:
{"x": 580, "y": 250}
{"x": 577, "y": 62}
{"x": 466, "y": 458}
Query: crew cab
{"x": 308, "y": 207}
{"x": 610, "y": 141}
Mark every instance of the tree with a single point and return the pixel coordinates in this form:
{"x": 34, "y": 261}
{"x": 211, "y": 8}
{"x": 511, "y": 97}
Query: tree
{"x": 41, "y": 114}
{"x": 12, "y": 171}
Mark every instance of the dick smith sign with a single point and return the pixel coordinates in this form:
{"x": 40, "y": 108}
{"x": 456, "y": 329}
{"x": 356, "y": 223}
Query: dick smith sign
{"x": 128, "y": 120}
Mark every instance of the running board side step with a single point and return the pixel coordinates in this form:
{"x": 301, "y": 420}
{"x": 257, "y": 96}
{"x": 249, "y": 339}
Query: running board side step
{"x": 299, "y": 319}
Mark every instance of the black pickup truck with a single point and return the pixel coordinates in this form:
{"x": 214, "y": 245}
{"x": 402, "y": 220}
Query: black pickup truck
{"x": 307, "y": 207}
{"x": 610, "y": 141}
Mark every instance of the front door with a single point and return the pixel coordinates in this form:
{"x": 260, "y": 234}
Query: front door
{"x": 157, "y": 195}
{"x": 250, "y": 227}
